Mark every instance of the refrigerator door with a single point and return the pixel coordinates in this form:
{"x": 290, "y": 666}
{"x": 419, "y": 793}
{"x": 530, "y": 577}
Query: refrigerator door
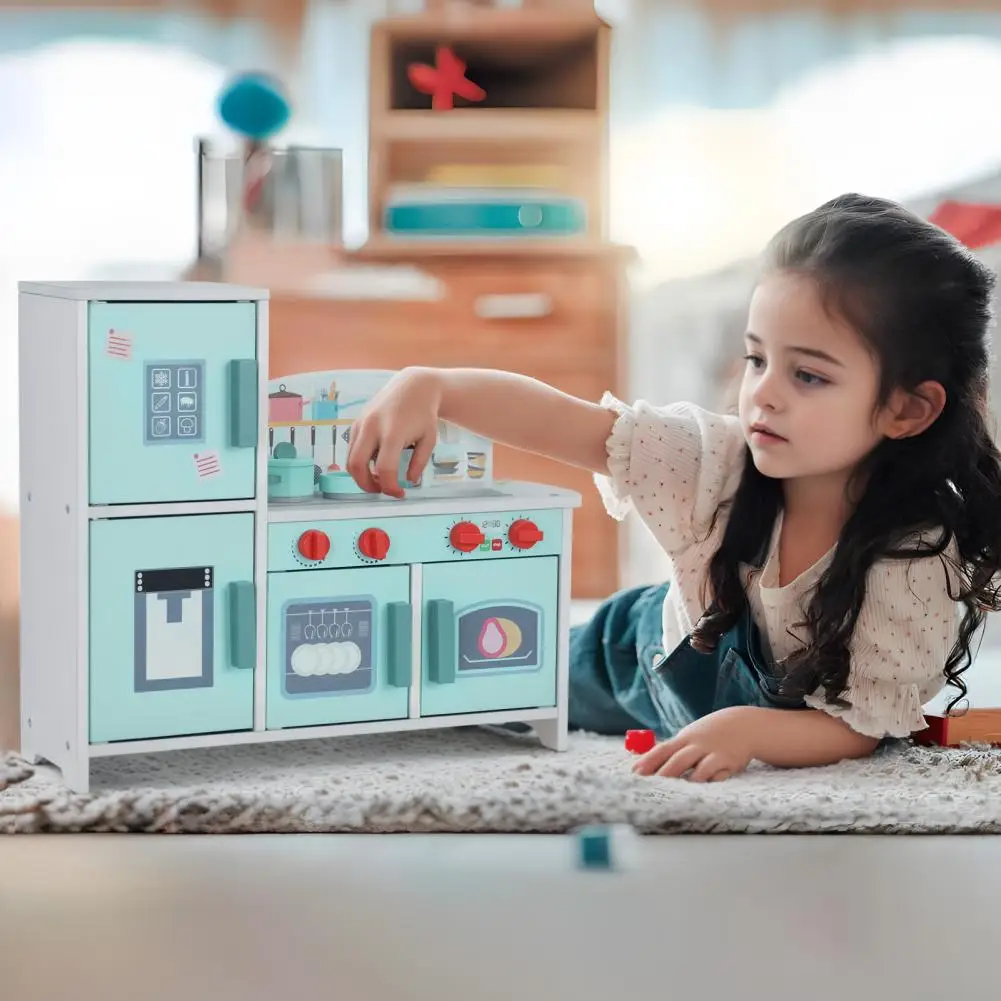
{"x": 172, "y": 626}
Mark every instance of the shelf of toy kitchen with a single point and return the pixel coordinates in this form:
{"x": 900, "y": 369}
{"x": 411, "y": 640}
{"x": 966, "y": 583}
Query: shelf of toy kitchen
{"x": 496, "y": 497}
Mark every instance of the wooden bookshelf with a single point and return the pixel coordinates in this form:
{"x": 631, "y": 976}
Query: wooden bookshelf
{"x": 545, "y": 73}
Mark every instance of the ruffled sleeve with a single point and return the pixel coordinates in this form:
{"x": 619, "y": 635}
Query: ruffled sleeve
{"x": 673, "y": 465}
{"x": 904, "y": 635}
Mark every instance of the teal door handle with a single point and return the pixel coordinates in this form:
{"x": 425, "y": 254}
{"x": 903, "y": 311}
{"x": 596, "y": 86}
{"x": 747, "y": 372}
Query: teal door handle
{"x": 243, "y": 393}
{"x": 441, "y": 641}
{"x": 243, "y": 624}
{"x": 399, "y": 644}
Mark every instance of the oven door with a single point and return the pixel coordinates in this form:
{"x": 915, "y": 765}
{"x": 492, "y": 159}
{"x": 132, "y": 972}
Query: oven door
{"x": 489, "y": 638}
{"x": 339, "y": 646}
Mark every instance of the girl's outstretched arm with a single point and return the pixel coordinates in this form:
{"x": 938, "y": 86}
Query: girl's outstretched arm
{"x": 503, "y": 406}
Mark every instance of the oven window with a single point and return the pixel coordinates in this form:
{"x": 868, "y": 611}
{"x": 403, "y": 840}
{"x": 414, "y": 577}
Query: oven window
{"x": 500, "y": 638}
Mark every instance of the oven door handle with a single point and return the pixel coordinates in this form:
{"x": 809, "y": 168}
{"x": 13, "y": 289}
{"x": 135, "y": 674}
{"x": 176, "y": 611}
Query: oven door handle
{"x": 243, "y": 624}
{"x": 441, "y": 641}
{"x": 399, "y": 644}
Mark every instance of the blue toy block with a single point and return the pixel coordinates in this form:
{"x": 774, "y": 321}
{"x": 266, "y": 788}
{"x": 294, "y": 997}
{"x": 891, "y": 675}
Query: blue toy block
{"x": 595, "y": 847}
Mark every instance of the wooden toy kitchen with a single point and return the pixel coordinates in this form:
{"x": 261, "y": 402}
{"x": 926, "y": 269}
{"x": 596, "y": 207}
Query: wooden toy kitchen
{"x": 197, "y": 568}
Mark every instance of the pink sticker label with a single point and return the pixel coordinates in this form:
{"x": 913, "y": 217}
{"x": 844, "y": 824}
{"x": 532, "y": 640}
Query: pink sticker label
{"x": 119, "y": 344}
{"x": 207, "y": 464}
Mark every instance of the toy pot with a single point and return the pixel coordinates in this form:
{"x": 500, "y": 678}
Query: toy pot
{"x": 290, "y": 479}
{"x": 338, "y": 482}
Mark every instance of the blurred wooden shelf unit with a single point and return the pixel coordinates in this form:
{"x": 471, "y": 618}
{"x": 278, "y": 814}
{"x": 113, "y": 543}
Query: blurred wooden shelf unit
{"x": 543, "y": 121}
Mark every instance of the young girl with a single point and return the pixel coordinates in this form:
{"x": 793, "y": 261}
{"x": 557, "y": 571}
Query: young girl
{"x": 833, "y": 548}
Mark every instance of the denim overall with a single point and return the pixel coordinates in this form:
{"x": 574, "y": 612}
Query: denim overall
{"x": 620, "y": 679}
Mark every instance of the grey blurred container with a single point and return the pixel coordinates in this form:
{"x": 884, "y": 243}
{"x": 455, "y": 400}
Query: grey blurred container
{"x": 300, "y": 199}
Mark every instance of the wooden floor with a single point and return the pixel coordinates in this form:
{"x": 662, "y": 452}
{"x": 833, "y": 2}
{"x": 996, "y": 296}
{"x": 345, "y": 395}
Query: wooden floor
{"x": 109, "y": 918}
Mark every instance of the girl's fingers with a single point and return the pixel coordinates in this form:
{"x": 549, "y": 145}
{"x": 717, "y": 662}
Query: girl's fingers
{"x": 708, "y": 768}
{"x": 680, "y": 762}
{"x": 363, "y": 446}
{"x": 648, "y": 763}
{"x": 423, "y": 448}
{"x": 387, "y": 467}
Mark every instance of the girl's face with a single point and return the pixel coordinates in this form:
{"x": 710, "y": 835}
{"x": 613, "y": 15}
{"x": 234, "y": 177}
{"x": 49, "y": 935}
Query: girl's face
{"x": 809, "y": 388}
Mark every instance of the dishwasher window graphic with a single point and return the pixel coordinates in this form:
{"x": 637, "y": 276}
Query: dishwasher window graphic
{"x": 329, "y": 647}
{"x": 174, "y": 628}
{"x": 500, "y": 638}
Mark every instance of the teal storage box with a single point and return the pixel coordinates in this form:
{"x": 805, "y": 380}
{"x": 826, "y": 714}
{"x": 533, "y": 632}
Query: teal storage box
{"x": 477, "y": 212}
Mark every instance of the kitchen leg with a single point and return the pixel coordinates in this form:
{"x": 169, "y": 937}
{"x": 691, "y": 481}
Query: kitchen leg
{"x": 552, "y": 733}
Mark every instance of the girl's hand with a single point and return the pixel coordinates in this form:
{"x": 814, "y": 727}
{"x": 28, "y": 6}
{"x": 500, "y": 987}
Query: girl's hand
{"x": 402, "y": 414}
{"x": 712, "y": 748}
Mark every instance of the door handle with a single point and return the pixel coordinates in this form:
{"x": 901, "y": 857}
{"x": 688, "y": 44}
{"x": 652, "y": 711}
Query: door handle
{"x": 513, "y": 306}
{"x": 242, "y": 624}
{"x": 399, "y": 644}
{"x": 243, "y": 394}
{"x": 441, "y": 641}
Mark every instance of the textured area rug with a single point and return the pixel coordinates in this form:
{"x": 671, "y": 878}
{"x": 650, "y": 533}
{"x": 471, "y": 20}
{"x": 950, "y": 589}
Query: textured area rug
{"x": 479, "y": 780}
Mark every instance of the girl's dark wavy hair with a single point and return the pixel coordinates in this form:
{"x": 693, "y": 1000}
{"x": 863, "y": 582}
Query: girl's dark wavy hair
{"x": 922, "y": 303}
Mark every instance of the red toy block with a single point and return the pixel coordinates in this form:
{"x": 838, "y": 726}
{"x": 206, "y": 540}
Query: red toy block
{"x": 640, "y": 741}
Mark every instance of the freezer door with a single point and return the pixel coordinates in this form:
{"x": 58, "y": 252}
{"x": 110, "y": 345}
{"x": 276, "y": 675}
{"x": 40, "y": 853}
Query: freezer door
{"x": 173, "y": 402}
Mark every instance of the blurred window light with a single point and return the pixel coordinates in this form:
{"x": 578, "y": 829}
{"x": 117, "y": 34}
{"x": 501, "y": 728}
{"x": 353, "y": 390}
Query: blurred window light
{"x": 695, "y": 189}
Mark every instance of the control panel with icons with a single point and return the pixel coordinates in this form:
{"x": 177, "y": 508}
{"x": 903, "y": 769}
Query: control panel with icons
{"x": 403, "y": 540}
{"x": 175, "y": 401}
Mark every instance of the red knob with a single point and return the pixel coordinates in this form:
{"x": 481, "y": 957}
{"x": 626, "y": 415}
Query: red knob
{"x": 465, "y": 537}
{"x": 314, "y": 544}
{"x": 373, "y": 544}
{"x": 523, "y": 534}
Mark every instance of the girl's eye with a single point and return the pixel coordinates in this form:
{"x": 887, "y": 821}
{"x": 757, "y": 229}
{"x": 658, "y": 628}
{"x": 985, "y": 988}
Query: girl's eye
{"x": 810, "y": 379}
{"x": 755, "y": 361}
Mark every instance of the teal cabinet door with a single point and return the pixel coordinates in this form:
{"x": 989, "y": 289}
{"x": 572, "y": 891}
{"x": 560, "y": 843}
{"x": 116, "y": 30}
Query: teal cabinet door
{"x": 172, "y": 632}
{"x": 339, "y": 646}
{"x": 173, "y": 398}
{"x": 489, "y": 637}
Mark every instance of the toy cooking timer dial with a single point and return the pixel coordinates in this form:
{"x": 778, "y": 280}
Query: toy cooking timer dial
{"x": 465, "y": 537}
{"x": 523, "y": 534}
{"x": 313, "y": 545}
{"x": 373, "y": 544}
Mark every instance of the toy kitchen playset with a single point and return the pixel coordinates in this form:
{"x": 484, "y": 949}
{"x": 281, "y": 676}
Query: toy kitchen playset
{"x": 197, "y": 568}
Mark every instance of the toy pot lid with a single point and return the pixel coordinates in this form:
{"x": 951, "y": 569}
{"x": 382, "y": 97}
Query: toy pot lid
{"x": 284, "y": 394}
